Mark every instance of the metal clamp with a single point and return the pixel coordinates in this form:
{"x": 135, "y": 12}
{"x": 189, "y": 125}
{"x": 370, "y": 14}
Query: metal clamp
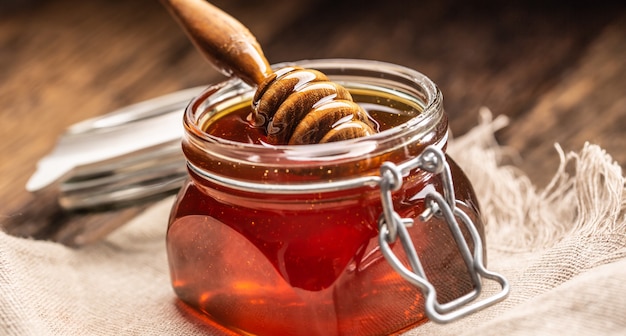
{"x": 393, "y": 227}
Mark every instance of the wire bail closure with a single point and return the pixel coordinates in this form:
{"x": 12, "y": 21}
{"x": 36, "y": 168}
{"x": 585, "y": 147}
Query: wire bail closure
{"x": 393, "y": 227}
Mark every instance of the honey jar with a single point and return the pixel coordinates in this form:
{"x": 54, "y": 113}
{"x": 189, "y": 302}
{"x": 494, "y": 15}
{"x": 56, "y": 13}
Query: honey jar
{"x": 366, "y": 236}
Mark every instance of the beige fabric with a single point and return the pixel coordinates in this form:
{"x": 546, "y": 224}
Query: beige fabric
{"x": 563, "y": 248}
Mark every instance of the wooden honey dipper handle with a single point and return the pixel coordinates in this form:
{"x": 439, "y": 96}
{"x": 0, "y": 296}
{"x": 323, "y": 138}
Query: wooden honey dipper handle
{"x": 223, "y": 40}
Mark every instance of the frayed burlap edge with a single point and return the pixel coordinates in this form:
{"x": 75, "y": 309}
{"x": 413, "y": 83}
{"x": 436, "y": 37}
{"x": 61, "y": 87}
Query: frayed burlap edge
{"x": 586, "y": 196}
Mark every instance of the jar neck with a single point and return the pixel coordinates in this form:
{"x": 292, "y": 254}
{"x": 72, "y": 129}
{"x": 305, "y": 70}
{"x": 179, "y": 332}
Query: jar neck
{"x": 320, "y": 167}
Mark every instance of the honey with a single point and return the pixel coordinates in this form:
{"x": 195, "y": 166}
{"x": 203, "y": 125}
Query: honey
{"x": 234, "y": 123}
{"x": 283, "y": 240}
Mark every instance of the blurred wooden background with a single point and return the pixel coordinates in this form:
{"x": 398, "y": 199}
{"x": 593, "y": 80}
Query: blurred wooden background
{"x": 556, "y": 69}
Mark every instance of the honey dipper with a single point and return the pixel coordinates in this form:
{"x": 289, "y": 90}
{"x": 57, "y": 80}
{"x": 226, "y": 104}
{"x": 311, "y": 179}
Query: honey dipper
{"x": 293, "y": 105}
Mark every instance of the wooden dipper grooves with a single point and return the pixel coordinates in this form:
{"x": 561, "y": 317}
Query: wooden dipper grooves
{"x": 294, "y": 105}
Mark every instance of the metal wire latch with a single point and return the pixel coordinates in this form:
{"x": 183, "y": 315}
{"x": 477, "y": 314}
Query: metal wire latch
{"x": 393, "y": 227}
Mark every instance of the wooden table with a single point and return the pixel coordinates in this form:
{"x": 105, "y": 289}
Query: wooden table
{"x": 558, "y": 72}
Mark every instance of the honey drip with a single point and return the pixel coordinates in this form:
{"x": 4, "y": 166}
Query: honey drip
{"x": 294, "y": 105}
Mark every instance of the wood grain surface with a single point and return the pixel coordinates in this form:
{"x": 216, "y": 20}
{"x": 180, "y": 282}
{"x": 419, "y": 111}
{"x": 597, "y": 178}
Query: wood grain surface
{"x": 557, "y": 71}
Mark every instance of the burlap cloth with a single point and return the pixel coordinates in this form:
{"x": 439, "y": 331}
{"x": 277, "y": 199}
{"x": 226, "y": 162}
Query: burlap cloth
{"x": 562, "y": 248}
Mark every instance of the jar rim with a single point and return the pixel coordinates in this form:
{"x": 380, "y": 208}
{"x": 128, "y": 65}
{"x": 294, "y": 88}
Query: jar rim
{"x": 429, "y": 117}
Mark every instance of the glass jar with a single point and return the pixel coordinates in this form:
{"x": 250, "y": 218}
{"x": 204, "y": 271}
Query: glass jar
{"x": 313, "y": 239}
